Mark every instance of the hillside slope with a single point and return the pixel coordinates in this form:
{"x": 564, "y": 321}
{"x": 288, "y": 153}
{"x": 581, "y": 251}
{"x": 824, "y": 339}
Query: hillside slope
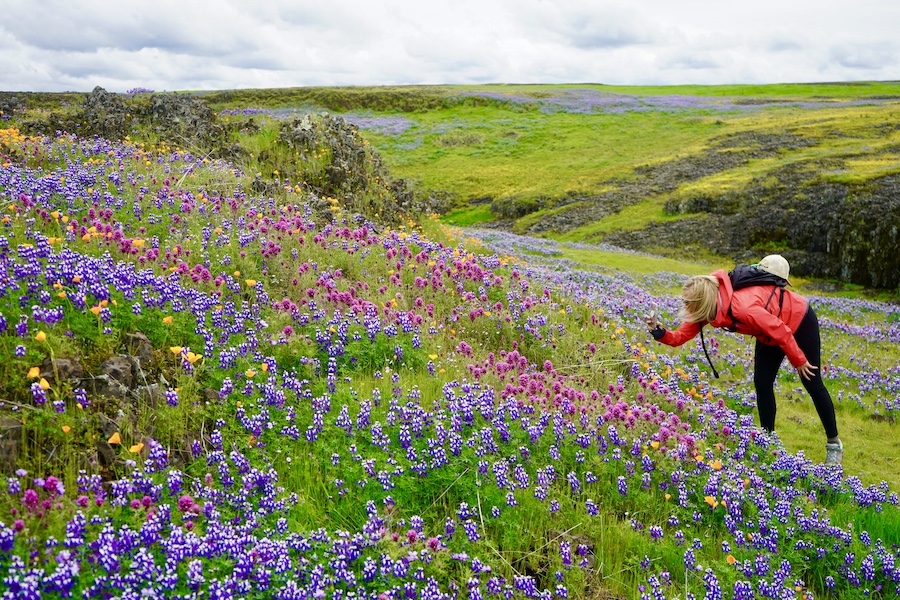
{"x": 220, "y": 382}
{"x": 809, "y": 171}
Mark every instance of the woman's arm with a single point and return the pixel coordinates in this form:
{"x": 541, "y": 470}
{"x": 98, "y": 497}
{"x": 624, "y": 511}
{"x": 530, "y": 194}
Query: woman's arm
{"x": 687, "y": 331}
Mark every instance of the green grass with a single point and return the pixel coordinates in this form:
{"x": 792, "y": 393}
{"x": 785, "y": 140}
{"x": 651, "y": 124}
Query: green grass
{"x": 524, "y": 540}
{"x": 636, "y": 263}
{"x": 633, "y": 217}
{"x": 472, "y": 215}
{"x": 534, "y": 155}
{"x": 502, "y": 151}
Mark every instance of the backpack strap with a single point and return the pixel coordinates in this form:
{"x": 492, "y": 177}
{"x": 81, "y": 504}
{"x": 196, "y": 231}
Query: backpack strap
{"x": 734, "y": 321}
{"x": 780, "y": 300}
{"x": 703, "y": 341}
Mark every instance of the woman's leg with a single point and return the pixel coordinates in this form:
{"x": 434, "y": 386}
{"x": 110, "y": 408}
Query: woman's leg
{"x": 807, "y": 336}
{"x": 766, "y": 361}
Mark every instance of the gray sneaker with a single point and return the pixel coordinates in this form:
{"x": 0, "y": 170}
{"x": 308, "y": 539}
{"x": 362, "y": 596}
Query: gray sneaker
{"x": 834, "y": 453}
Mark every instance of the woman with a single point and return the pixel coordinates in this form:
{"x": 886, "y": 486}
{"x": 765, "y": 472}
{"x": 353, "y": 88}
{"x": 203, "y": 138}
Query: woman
{"x": 782, "y": 325}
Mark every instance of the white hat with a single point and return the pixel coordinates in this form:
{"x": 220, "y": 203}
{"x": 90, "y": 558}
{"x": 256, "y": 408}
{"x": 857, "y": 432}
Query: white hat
{"x": 776, "y": 265}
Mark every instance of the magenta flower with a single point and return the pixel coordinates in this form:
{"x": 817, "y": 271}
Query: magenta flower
{"x": 185, "y": 503}
{"x": 30, "y": 499}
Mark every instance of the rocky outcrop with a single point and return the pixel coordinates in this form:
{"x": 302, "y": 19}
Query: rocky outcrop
{"x": 826, "y": 230}
{"x": 181, "y": 119}
{"x": 10, "y": 443}
{"x": 122, "y": 391}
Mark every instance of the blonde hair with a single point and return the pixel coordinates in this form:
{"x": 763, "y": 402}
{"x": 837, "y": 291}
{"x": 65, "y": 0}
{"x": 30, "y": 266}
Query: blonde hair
{"x": 699, "y": 294}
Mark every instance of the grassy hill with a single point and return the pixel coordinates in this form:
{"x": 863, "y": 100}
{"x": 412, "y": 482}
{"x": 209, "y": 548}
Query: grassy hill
{"x": 248, "y": 366}
{"x": 810, "y": 171}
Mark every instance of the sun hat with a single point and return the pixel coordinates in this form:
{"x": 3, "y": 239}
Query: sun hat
{"x": 776, "y": 265}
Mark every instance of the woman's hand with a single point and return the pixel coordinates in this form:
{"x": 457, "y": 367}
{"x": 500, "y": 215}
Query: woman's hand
{"x": 807, "y": 371}
{"x": 651, "y": 319}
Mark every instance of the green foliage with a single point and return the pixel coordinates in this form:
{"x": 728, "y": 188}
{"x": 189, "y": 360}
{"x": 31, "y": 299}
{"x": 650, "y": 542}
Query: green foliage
{"x": 323, "y": 472}
{"x": 471, "y": 215}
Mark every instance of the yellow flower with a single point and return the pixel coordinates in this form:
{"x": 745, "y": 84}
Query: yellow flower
{"x": 66, "y": 429}
{"x": 716, "y": 465}
{"x": 167, "y": 320}
{"x": 711, "y": 500}
{"x": 730, "y": 559}
{"x": 34, "y": 372}
{"x": 114, "y": 439}
{"x": 45, "y": 385}
{"x": 250, "y": 282}
{"x": 95, "y": 310}
{"x": 249, "y": 373}
{"x": 432, "y": 356}
{"x": 237, "y": 273}
{"x": 192, "y": 358}
{"x": 265, "y": 367}
{"x": 136, "y": 449}
{"x": 40, "y": 336}
{"x": 176, "y": 350}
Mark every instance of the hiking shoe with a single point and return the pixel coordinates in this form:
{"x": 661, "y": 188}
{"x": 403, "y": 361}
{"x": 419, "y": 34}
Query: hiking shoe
{"x": 834, "y": 453}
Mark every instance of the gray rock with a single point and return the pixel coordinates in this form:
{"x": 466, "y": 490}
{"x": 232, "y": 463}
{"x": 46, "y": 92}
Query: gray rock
{"x": 118, "y": 368}
{"x": 106, "y": 454}
{"x": 210, "y": 395}
{"x": 139, "y": 346}
{"x": 152, "y": 394}
{"x": 104, "y": 385}
{"x": 107, "y": 426}
{"x": 68, "y": 369}
{"x": 10, "y": 443}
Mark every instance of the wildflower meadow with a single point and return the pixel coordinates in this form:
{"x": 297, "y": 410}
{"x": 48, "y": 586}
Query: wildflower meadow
{"x": 313, "y": 403}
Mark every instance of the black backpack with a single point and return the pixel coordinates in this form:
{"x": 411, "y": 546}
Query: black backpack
{"x": 743, "y": 276}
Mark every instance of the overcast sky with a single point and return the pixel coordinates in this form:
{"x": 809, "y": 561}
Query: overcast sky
{"x": 168, "y": 45}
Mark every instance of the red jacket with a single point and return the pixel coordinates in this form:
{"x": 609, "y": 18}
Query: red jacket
{"x": 771, "y": 326}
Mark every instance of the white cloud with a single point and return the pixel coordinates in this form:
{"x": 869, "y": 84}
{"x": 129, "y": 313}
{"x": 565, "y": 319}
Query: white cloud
{"x": 587, "y": 25}
{"x": 864, "y": 56}
{"x": 55, "y": 45}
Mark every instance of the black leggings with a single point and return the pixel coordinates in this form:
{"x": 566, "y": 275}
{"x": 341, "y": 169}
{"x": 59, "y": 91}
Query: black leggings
{"x": 768, "y": 359}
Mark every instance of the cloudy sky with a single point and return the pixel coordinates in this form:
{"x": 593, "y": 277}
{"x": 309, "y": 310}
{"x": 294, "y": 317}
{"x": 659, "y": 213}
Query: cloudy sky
{"x": 59, "y": 45}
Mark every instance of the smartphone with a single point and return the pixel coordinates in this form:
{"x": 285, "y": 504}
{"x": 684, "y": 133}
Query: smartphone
{"x": 652, "y": 317}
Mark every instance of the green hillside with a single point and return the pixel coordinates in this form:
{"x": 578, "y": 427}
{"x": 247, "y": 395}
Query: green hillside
{"x": 730, "y": 171}
{"x": 242, "y": 360}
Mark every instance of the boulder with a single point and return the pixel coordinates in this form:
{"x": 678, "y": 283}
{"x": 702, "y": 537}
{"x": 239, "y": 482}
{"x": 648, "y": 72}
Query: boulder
{"x": 69, "y": 369}
{"x": 119, "y": 368}
{"x": 104, "y": 385}
{"x": 106, "y": 454}
{"x": 10, "y": 443}
{"x": 139, "y": 346}
{"x": 152, "y": 395}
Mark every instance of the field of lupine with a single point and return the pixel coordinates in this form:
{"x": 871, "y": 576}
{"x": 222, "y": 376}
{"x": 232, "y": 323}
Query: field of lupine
{"x": 351, "y": 411}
